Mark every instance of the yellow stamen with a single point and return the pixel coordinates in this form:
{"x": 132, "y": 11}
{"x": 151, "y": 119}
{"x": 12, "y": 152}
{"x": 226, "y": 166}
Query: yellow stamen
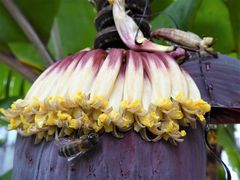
{"x": 183, "y": 133}
{"x": 111, "y": 2}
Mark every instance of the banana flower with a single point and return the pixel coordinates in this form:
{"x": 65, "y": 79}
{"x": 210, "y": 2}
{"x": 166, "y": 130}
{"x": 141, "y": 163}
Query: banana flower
{"x": 142, "y": 88}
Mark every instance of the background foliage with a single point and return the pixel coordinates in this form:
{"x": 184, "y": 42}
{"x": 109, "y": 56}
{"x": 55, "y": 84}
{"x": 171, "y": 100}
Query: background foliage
{"x": 66, "y": 26}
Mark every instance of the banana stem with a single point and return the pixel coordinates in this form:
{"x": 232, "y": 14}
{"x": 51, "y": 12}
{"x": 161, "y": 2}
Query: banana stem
{"x": 28, "y": 30}
{"x": 12, "y": 62}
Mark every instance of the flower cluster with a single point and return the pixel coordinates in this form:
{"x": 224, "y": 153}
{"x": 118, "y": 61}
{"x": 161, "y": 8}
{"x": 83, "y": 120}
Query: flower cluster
{"x": 107, "y": 90}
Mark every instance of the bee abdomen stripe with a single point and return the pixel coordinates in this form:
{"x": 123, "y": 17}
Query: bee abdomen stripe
{"x": 62, "y": 152}
{"x": 73, "y": 150}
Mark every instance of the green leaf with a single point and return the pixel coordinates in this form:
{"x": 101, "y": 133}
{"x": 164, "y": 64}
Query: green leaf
{"x": 4, "y": 48}
{"x": 6, "y": 103}
{"x": 2, "y": 121}
{"x": 178, "y": 15}
{"x": 220, "y": 172}
{"x": 234, "y": 55}
{"x": 75, "y": 22}
{"x": 7, "y": 176}
{"x": 234, "y": 12}
{"x": 10, "y": 31}
{"x": 27, "y": 53}
{"x": 3, "y": 80}
{"x": 40, "y": 14}
{"x": 226, "y": 139}
{"x": 213, "y": 20}
{"x": 11, "y": 85}
{"x": 163, "y": 21}
{"x": 159, "y": 5}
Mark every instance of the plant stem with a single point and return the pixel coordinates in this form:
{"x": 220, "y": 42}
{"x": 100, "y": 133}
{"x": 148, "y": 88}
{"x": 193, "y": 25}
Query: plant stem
{"x": 56, "y": 41}
{"x": 13, "y": 63}
{"x": 28, "y": 30}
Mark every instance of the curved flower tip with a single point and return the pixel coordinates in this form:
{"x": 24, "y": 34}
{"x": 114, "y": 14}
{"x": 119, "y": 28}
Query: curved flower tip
{"x": 179, "y": 54}
{"x": 129, "y": 31}
{"x": 112, "y": 90}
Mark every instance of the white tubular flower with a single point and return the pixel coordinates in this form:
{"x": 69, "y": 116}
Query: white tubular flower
{"x": 112, "y": 90}
{"x": 108, "y": 90}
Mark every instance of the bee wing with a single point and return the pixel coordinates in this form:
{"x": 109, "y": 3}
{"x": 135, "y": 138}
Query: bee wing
{"x": 79, "y": 133}
{"x": 62, "y": 141}
{"x": 74, "y": 159}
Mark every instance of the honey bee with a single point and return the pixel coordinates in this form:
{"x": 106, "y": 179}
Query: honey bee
{"x": 75, "y": 148}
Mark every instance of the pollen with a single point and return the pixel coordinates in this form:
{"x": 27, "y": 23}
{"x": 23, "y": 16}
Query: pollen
{"x": 111, "y": 2}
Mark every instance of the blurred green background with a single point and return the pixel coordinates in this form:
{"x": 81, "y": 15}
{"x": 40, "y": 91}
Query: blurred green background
{"x": 66, "y": 26}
